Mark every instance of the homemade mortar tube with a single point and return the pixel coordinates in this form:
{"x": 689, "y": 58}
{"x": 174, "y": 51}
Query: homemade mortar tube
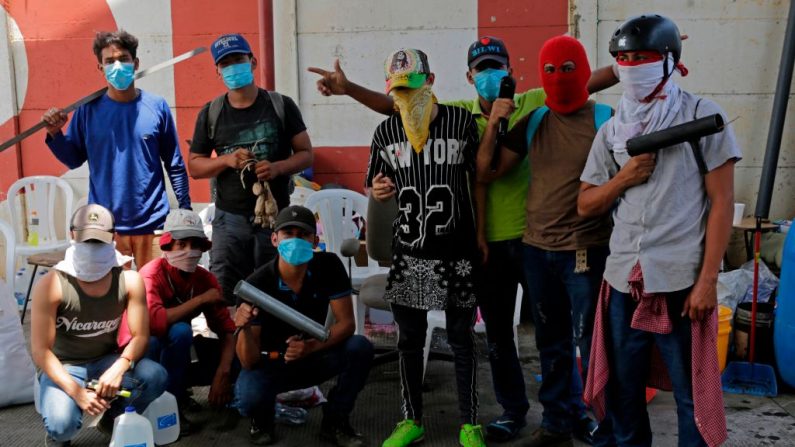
{"x": 682, "y": 133}
{"x": 281, "y": 311}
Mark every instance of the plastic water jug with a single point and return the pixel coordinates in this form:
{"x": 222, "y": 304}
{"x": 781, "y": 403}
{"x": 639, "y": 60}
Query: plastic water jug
{"x": 132, "y": 430}
{"x": 164, "y": 418}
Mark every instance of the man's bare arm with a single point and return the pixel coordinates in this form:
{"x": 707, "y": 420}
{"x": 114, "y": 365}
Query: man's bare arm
{"x": 336, "y": 83}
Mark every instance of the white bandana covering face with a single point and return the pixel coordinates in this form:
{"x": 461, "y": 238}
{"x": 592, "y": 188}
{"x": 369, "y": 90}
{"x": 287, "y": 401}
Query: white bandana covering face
{"x": 90, "y": 261}
{"x": 634, "y": 117}
{"x": 185, "y": 260}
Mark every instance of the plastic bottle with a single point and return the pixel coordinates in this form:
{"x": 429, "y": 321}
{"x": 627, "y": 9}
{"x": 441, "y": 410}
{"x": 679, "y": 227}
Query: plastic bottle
{"x": 164, "y": 418}
{"x": 132, "y": 430}
{"x": 290, "y": 415}
{"x": 33, "y": 229}
{"x": 20, "y": 288}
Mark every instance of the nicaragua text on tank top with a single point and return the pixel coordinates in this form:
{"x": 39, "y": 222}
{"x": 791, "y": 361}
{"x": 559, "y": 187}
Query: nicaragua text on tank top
{"x": 436, "y": 217}
{"x": 86, "y": 327}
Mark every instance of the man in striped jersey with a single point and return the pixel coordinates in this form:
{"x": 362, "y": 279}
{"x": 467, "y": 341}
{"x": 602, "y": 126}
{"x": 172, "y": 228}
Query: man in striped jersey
{"x": 424, "y": 155}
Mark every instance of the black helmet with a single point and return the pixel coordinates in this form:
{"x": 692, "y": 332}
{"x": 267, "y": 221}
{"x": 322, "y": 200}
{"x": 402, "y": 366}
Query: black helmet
{"x": 651, "y": 32}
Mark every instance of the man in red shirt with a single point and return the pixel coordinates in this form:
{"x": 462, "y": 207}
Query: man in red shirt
{"x": 178, "y": 290}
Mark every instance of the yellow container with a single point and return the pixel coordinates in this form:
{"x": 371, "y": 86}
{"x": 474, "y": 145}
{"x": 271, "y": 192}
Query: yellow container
{"x": 724, "y": 328}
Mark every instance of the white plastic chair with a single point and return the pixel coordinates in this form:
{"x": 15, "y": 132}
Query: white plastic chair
{"x": 8, "y": 237}
{"x": 437, "y": 319}
{"x": 207, "y": 215}
{"x": 40, "y": 194}
{"x": 336, "y": 209}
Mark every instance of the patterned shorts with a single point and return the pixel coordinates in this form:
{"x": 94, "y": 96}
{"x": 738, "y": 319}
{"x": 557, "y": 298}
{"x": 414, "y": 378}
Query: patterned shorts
{"x": 431, "y": 284}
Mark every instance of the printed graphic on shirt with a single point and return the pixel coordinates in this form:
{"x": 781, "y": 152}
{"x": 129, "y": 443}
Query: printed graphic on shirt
{"x": 261, "y": 138}
{"x": 434, "y": 195}
{"x": 86, "y": 329}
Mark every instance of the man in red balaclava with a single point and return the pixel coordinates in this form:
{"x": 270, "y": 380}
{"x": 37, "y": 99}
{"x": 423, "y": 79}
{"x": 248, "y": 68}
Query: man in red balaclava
{"x": 564, "y": 254}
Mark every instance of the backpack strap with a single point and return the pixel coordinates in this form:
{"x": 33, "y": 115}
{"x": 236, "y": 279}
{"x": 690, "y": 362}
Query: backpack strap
{"x": 278, "y": 105}
{"x": 217, "y": 105}
{"x": 696, "y": 147}
{"x": 534, "y": 121}
{"x": 213, "y": 113}
{"x": 601, "y": 113}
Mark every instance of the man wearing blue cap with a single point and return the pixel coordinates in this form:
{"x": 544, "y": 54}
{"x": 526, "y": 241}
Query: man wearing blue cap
{"x": 260, "y": 140}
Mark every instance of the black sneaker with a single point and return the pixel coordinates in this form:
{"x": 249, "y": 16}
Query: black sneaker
{"x": 585, "y": 429}
{"x": 49, "y": 442}
{"x": 185, "y": 425}
{"x": 340, "y": 433}
{"x": 259, "y": 434}
{"x": 504, "y": 428}
{"x": 545, "y": 438}
{"x": 105, "y": 425}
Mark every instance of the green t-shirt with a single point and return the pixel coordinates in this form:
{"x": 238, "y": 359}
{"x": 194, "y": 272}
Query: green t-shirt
{"x": 506, "y": 196}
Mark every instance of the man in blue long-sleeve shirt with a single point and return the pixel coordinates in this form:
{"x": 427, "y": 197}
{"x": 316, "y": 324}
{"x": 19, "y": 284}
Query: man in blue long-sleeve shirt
{"x": 124, "y": 135}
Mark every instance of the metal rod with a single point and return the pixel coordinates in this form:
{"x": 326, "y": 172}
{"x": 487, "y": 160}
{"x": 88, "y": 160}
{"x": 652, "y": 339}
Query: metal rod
{"x": 777, "y": 119}
{"x": 281, "y": 311}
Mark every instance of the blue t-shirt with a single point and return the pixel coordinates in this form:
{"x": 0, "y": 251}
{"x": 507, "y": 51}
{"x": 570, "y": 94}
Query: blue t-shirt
{"x": 124, "y": 143}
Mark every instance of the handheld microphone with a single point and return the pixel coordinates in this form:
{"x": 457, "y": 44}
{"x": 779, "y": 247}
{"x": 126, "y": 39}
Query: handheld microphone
{"x": 507, "y": 90}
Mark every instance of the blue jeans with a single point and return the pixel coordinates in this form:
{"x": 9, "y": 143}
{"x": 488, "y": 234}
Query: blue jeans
{"x": 496, "y": 298}
{"x": 63, "y": 418}
{"x": 256, "y": 389}
{"x": 563, "y": 304}
{"x": 173, "y": 352}
{"x": 629, "y": 352}
{"x": 239, "y": 248}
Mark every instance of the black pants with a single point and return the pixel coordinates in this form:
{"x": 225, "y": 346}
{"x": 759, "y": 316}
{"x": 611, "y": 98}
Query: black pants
{"x": 497, "y": 300}
{"x": 412, "y": 328}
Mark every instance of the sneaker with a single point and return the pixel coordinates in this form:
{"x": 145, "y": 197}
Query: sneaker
{"x": 406, "y": 433}
{"x": 504, "y": 428}
{"x": 545, "y": 438}
{"x": 258, "y": 434}
{"x": 585, "y": 430}
{"x": 471, "y": 436}
{"x": 105, "y": 425}
{"x": 340, "y": 433}
{"x": 49, "y": 442}
{"x": 185, "y": 425}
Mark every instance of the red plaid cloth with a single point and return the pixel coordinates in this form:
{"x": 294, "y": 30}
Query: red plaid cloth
{"x": 651, "y": 315}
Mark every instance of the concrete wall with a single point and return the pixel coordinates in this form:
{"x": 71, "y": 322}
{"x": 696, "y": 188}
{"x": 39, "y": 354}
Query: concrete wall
{"x": 733, "y": 55}
{"x": 361, "y": 33}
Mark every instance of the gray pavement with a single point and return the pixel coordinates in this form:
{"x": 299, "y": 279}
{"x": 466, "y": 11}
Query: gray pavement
{"x": 752, "y": 421}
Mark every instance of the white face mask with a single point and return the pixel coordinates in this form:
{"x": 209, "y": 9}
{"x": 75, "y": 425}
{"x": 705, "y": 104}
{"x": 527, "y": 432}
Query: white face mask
{"x": 92, "y": 261}
{"x": 185, "y": 260}
{"x": 639, "y": 81}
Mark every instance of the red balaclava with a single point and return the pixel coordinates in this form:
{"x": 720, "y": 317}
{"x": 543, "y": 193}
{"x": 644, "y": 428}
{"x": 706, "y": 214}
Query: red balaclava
{"x": 566, "y": 92}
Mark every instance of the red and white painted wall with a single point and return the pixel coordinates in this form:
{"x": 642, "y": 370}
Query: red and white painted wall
{"x": 46, "y": 60}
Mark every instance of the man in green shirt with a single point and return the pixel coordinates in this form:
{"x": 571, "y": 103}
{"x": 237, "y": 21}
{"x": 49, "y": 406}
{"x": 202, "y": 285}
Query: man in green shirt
{"x": 500, "y": 214}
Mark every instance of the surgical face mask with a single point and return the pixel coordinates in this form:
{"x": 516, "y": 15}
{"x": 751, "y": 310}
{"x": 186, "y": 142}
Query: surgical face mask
{"x": 185, "y": 260}
{"x": 92, "y": 260}
{"x": 296, "y": 251}
{"x": 640, "y": 81}
{"x": 120, "y": 74}
{"x": 237, "y": 75}
{"x": 487, "y": 83}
